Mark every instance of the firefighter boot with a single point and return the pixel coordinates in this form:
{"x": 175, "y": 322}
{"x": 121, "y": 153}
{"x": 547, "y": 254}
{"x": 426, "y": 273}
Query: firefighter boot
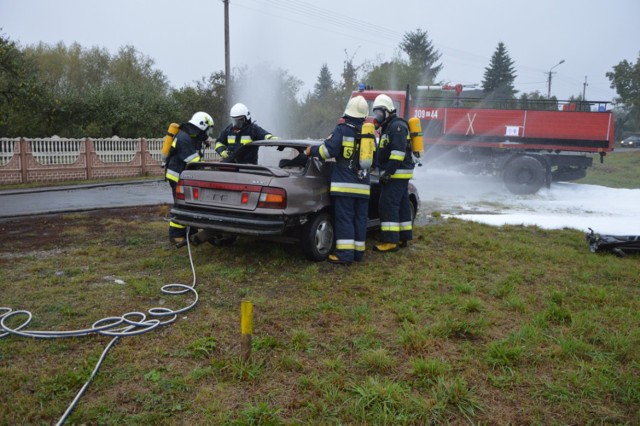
{"x": 386, "y": 247}
{"x": 332, "y": 258}
{"x": 177, "y": 241}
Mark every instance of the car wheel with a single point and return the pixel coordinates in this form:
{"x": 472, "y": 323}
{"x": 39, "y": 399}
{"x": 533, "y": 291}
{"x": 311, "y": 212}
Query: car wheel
{"x": 317, "y": 237}
{"x": 221, "y": 240}
{"x": 413, "y": 210}
{"x": 524, "y": 175}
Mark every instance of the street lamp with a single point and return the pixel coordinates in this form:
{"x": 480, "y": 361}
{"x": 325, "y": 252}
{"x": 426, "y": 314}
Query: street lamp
{"x": 549, "y": 80}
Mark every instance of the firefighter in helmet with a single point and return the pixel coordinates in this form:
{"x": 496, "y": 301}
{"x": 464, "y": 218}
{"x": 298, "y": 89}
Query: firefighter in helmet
{"x": 395, "y": 161}
{"x": 241, "y": 131}
{"x": 350, "y": 187}
{"x": 187, "y": 147}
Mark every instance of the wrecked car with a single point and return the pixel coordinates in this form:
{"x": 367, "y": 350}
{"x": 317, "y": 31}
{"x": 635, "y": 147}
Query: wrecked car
{"x": 285, "y": 198}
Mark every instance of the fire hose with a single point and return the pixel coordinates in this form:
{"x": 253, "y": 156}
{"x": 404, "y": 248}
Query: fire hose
{"x": 128, "y": 324}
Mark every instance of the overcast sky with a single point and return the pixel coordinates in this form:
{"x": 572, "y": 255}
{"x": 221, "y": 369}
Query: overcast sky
{"x": 186, "y": 38}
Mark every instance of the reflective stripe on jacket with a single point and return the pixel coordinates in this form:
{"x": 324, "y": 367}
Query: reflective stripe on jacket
{"x": 185, "y": 149}
{"x": 341, "y": 145}
{"x": 231, "y": 140}
{"x": 394, "y": 155}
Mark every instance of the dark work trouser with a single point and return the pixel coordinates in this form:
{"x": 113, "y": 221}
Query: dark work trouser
{"x": 395, "y": 211}
{"x": 351, "y": 215}
{"x": 175, "y": 230}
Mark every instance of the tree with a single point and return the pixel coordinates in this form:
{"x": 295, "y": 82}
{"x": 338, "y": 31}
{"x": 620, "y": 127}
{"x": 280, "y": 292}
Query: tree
{"x": 422, "y": 54}
{"x": 349, "y": 76}
{"x": 206, "y": 95}
{"x": 537, "y": 101}
{"x": 320, "y": 109}
{"x": 625, "y": 79}
{"x": 324, "y": 88}
{"x": 499, "y": 75}
{"x": 89, "y": 92}
{"x": 419, "y": 69}
{"x": 21, "y": 92}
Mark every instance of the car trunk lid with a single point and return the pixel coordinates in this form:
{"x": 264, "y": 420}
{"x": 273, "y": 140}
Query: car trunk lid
{"x": 234, "y": 186}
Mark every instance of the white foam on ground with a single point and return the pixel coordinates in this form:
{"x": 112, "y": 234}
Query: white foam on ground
{"x": 484, "y": 199}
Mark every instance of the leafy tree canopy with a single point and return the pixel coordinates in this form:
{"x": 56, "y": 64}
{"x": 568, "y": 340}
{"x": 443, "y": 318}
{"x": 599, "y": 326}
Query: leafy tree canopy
{"x": 625, "y": 79}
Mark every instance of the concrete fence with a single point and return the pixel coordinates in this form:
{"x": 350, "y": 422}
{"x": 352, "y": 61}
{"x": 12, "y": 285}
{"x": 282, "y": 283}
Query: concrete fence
{"x": 58, "y": 159}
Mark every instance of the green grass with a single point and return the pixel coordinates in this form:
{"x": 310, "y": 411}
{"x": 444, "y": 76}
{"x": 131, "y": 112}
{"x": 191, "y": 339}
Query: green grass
{"x": 471, "y": 324}
{"x": 530, "y": 329}
{"x": 620, "y": 169}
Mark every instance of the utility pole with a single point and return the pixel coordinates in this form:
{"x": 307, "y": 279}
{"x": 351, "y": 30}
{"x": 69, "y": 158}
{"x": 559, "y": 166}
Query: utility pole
{"x": 227, "y": 60}
{"x": 584, "y": 88}
{"x": 549, "y": 79}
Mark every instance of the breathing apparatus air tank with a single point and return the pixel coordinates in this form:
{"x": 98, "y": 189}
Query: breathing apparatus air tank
{"x": 415, "y": 133}
{"x": 367, "y": 145}
{"x": 172, "y": 131}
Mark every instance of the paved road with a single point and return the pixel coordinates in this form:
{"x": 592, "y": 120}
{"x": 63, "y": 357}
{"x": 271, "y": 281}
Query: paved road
{"x": 26, "y": 202}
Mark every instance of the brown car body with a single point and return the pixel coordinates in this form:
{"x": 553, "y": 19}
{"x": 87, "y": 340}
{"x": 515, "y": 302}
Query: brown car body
{"x": 285, "y": 198}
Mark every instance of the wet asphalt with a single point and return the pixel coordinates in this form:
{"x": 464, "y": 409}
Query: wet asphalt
{"x": 73, "y": 198}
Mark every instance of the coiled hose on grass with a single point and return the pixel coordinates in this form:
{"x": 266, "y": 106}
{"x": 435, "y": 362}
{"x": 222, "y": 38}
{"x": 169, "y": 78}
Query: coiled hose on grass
{"x": 128, "y": 324}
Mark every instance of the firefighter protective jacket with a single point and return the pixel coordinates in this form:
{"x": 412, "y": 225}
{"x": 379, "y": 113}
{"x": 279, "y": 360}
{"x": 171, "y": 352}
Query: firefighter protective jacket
{"x": 186, "y": 148}
{"x": 231, "y": 140}
{"x": 342, "y": 145}
{"x": 394, "y": 155}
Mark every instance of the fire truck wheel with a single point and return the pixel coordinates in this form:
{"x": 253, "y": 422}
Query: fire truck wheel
{"x": 524, "y": 175}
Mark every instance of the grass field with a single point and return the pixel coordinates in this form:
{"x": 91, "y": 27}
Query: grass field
{"x": 471, "y": 324}
{"x": 620, "y": 169}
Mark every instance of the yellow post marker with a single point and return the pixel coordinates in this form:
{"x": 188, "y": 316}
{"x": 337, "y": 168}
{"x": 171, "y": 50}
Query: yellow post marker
{"x": 246, "y": 329}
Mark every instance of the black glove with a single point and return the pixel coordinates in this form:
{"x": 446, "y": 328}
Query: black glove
{"x": 384, "y": 178}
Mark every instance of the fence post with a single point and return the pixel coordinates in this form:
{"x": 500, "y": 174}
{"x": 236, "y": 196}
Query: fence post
{"x": 88, "y": 152}
{"x": 23, "y": 160}
{"x": 143, "y": 153}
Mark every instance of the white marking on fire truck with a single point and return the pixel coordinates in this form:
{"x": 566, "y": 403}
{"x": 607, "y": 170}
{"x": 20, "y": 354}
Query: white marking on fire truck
{"x": 426, "y": 114}
{"x": 470, "y": 128}
{"x": 512, "y": 130}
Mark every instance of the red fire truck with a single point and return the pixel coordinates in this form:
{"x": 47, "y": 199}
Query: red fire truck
{"x": 527, "y": 148}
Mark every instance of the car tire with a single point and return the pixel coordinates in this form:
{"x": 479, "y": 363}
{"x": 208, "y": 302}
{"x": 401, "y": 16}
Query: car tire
{"x": 524, "y": 175}
{"x": 317, "y": 237}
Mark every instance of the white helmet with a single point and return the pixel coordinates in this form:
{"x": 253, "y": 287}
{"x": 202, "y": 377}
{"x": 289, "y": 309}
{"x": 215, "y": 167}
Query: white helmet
{"x": 357, "y": 107}
{"x": 383, "y": 102}
{"x": 202, "y": 121}
{"x": 240, "y": 110}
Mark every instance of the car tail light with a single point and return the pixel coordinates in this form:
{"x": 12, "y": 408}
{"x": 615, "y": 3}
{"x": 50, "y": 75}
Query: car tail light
{"x": 196, "y": 193}
{"x": 273, "y": 198}
{"x": 180, "y": 191}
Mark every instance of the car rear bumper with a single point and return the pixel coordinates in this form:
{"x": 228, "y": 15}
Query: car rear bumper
{"x": 259, "y": 226}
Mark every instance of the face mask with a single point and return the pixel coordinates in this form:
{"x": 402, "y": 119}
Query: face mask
{"x": 237, "y": 122}
{"x": 379, "y": 116}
